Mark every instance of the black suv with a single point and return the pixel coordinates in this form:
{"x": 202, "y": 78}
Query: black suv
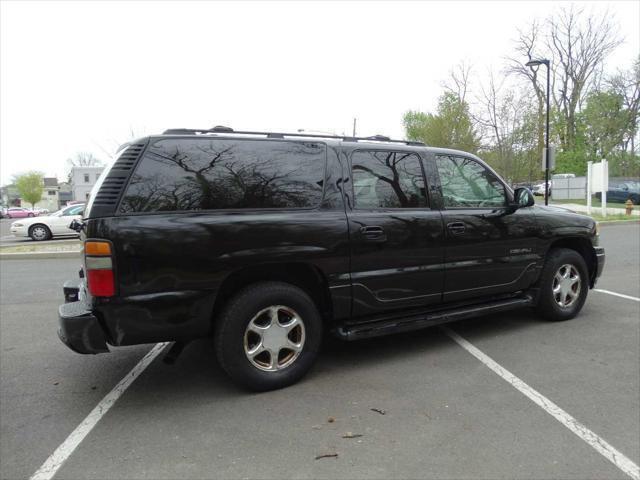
{"x": 265, "y": 240}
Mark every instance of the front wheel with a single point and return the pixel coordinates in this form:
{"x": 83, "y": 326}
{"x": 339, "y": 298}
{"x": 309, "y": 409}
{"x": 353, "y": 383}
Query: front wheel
{"x": 39, "y": 233}
{"x": 268, "y": 336}
{"x": 564, "y": 284}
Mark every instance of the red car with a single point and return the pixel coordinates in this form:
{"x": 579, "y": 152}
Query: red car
{"x": 17, "y": 212}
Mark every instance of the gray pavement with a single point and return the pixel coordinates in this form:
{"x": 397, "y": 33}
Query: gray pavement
{"x": 447, "y": 415}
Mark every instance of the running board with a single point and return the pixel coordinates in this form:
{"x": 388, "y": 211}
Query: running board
{"x": 417, "y": 322}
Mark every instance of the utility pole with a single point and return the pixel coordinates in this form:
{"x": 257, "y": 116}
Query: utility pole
{"x": 354, "y": 127}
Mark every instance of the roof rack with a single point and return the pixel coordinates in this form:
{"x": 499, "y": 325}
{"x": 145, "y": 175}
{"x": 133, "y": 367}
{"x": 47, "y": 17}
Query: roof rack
{"x": 222, "y": 129}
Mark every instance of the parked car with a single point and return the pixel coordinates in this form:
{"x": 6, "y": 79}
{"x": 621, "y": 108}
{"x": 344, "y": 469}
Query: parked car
{"x": 538, "y": 189}
{"x": 263, "y": 241}
{"x": 46, "y": 227}
{"x": 41, "y": 211}
{"x": 19, "y": 212}
{"x": 621, "y": 192}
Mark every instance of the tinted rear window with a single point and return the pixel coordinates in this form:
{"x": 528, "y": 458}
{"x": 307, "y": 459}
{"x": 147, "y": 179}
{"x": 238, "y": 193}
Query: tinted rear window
{"x": 211, "y": 174}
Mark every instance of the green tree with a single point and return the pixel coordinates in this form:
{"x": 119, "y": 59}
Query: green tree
{"x": 450, "y": 127}
{"x": 30, "y": 186}
{"x": 604, "y": 122}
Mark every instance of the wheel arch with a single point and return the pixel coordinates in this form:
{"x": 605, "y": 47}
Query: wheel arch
{"x": 584, "y": 247}
{"x": 31, "y": 227}
{"x": 306, "y": 276}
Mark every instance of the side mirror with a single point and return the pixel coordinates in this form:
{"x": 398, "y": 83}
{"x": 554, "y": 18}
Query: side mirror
{"x": 523, "y": 198}
{"x": 76, "y": 225}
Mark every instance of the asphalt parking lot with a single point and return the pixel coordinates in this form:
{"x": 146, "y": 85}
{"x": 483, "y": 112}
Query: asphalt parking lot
{"x": 446, "y": 413}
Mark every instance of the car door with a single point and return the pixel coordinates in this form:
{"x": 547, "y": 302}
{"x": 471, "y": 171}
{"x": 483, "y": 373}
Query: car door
{"x": 488, "y": 250}
{"x": 60, "y": 225}
{"x": 395, "y": 237}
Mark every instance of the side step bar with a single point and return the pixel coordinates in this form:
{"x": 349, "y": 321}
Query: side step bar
{"x": 417, "y": 322}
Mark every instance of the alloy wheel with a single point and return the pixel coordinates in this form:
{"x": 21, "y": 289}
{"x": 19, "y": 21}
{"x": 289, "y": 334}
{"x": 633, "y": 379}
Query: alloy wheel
{"x": 274, "y": 338}
{"x": 566, "y": 285}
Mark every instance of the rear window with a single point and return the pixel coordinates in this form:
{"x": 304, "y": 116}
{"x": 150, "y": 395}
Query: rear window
{"x": 212, "y": 174}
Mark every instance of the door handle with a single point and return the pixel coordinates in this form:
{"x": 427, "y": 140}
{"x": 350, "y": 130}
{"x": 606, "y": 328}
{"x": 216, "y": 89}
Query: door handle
{"x": 456, "y": 228}
{"x": 373, "y": 234}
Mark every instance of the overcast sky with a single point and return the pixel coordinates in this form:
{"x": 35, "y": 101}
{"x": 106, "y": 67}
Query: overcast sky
{"x": 80, "y": 76}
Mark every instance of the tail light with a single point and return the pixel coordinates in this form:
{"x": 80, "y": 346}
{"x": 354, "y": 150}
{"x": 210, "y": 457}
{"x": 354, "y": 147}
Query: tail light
{"x": 98, "y": 261}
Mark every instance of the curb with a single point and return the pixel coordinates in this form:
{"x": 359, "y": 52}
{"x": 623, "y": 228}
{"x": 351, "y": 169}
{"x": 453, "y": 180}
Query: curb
{"x": 619, "y": 222}
{"x": 38, "y": 255}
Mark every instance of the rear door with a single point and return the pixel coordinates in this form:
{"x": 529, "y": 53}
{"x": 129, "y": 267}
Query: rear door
{"x": 488, "y": 251}
{"x": 396, "y": 238}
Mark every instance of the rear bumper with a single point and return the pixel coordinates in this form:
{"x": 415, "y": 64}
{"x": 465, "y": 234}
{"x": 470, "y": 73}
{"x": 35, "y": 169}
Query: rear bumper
{"x": 600, "y": 261}
{"x": 80, "y": 330}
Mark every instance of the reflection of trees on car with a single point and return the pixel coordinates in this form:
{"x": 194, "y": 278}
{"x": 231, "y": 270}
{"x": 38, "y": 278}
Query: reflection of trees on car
{"x": 465, "y": 183}
{"x": 388, "y": 179}
{"x": 220, "y": 174}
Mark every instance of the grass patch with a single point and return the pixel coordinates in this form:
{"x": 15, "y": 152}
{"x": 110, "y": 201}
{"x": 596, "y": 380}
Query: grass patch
{"x": 594, "y": 202}
{"x": 615, "y": 218}
{"x": 35, "y": 248}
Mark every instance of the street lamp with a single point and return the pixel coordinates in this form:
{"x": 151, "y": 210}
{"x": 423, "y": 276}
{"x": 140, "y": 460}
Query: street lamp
{"x": 537, "y": 63}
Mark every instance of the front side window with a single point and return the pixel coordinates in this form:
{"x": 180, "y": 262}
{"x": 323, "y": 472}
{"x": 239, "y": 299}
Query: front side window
{"x": 212, "y": 174}
{"x": 387, "y": 180}
{"x": 75, "y": 210}
{"x": 468, "y": 184}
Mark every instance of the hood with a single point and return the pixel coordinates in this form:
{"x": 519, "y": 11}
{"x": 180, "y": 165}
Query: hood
{"x": 555, "y": 209}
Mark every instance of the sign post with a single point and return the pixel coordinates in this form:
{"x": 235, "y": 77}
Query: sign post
{"x": 605, "y": 185}
{"x": 599, "y": 182}
{"x": 589, "y": 193}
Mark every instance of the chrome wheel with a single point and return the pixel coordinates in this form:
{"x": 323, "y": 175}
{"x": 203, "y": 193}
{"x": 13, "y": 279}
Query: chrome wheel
{"x": 274, "y": 338}
{"x": 566, "y": 285}
{"x": 39, "y": 233}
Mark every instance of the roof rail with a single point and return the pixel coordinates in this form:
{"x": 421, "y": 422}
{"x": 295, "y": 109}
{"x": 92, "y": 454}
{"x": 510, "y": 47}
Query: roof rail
{"x": 228, "y": 130}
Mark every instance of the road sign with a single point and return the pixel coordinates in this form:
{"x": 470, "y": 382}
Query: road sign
{"x": 552, "y": 158}
{"x": 599, "y": 177}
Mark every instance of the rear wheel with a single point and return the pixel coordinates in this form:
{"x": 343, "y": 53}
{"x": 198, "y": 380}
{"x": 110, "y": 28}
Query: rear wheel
{"x": 39, "y": 233}
{"x": 564, "y": 284}
{"x": 268, "y": 336}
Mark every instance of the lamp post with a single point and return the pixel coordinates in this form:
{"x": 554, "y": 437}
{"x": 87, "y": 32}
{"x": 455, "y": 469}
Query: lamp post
{"x": 547, "y": 156}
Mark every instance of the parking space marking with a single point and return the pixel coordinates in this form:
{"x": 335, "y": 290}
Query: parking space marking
{"x": 621, "y": 295}
{"x": 598, "y": 443}
{"x": 62, "y": 453}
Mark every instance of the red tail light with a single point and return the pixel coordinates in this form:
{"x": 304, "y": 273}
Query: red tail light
{"x": 101, "y": 283}
{"x": 99, "y": 266}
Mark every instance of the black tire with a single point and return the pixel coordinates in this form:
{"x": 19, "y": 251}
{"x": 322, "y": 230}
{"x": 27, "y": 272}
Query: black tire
{"x": 39, "y": 232}
{"x": 548, "y": 306}
{"x": 232, "y": 323}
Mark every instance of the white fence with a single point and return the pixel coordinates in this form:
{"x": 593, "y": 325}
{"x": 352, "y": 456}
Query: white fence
{"x": 569, "y": 188}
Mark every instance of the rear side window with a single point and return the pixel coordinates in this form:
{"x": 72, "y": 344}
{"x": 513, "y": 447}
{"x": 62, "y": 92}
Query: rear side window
{"x": 387, "y": 180}
{"x": 212, "y": 174}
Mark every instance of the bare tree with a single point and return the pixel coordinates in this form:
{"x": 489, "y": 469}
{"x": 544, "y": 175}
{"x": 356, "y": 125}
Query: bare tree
{"x": 504, "y": 115}
{"x": 527, "y": 47}
{"x": 579, "y": 45}
{"x": 627, "y": 85}
{"x": 458, "y": 82}
{"x": 84, "y": 159}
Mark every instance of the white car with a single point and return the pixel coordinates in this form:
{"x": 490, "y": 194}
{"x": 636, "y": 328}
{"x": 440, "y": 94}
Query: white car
{"x": 43, "y": 228}
{"x": 538, "y": 189}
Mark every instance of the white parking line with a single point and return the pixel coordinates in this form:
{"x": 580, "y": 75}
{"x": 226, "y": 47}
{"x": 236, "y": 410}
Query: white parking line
{"x": 55, "y": 461}
{"x": 597, "y": 442}
{"x": 621, "y": 295}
